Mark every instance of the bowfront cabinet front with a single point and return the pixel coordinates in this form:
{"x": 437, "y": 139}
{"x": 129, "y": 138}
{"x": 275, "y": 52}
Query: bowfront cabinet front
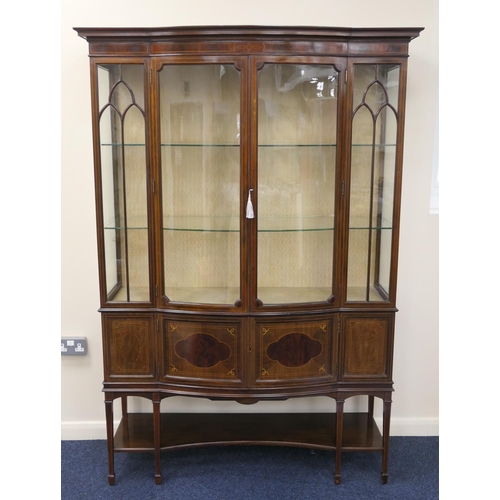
{"x": 248, "y": 186}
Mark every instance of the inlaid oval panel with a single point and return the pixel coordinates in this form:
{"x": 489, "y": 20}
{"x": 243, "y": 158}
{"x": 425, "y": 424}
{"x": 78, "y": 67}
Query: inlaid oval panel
{"x": 202, "y": 350}
{"x": 294, "y": 350}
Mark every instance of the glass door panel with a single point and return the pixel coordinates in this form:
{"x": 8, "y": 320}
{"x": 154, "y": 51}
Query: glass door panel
{"x": 200, "y": 175}
{"x": 373, "y": 168}
{"x": 297, "y": 139}
{"x": 122, "y": 133}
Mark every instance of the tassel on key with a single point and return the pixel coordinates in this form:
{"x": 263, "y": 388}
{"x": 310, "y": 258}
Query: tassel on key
{"x": 250, "y": 212}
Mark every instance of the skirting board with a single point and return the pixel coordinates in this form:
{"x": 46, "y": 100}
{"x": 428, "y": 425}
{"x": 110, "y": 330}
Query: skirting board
{"x": 399, "y": 427}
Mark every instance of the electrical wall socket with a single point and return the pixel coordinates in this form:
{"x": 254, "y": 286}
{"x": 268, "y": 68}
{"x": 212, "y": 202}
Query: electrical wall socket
{"x": 74, "y": 346}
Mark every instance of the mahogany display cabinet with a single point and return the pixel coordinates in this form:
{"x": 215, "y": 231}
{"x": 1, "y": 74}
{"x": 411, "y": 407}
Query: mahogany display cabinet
{"x": 248, "y": 189}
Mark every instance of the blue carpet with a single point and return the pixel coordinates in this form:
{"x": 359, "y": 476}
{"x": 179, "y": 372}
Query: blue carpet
{"x": 252, "y": 473}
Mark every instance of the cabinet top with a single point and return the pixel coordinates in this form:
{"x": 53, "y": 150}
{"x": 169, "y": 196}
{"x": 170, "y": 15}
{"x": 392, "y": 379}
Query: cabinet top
{"x": 219, "y": 32}
{"x": 245, "y": 40}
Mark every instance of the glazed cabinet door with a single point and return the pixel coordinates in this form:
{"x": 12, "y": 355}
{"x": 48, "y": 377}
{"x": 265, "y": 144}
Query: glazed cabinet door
{"x": 123, "y": 186}
{"x": 293, "y": 190}
{"x": 375, "y": 121}
{"x": 201, "y": 151}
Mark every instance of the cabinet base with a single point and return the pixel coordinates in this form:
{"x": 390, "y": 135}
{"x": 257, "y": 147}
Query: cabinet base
{"x": 185, "y": 430}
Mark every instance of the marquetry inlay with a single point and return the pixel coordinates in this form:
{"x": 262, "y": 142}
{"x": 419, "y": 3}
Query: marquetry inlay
{"x": 294, "y": 350}
{"x": 202, "y": 350}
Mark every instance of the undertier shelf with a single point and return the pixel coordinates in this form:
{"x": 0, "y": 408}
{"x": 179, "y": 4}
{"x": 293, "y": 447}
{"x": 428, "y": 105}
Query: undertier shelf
{"x": 309, "y": 430}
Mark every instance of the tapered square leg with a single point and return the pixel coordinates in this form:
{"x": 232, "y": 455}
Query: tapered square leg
{"x": 110, "y": 439}
{"x": 371, "y": 404}
{"x": 338, "y": 438}
{"x": 157, "y": 427}
{"x": 385, "y": 438}
{"x": 124, "y": 405}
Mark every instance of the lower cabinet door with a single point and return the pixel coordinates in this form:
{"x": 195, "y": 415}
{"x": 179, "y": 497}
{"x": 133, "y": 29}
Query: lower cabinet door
{"x": 366, "y": 345}
{"x": 129, "y": 347}
{"x": 203, "y": 353}
{"x": 294, "y": 352}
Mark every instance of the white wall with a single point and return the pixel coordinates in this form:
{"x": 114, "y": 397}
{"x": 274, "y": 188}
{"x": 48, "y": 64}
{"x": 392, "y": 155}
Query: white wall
{"x": 415, "y": 407}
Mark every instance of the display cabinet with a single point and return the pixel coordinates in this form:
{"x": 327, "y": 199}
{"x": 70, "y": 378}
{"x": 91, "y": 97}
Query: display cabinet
{"x": 248, "y": 186}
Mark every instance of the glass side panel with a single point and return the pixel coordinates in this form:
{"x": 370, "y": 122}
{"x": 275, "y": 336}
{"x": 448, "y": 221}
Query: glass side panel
{"x": 200, "y": 171}
{"x": 373, "y": 167}
{"x": 122, "y": 133}
{"x": 297, "y": 138}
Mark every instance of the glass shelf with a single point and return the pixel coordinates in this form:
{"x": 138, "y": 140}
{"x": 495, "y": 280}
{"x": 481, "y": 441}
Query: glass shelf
{"x": 370, "y": 145}
{"x": 237, "y": 145}
{"x": 128, "y": 144}
{"x": 260, "y": 145}
{"x": 227, "y": 224}
{"x": 284, "y": 145}
{"x": 297, "y": 145}
{"x": 197, "y": 145}
{"x": 215, "y": 224}
{"x": 362, "y": 224}
{"x": 133, "y": 222}
{"x": 232, "y": 224}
